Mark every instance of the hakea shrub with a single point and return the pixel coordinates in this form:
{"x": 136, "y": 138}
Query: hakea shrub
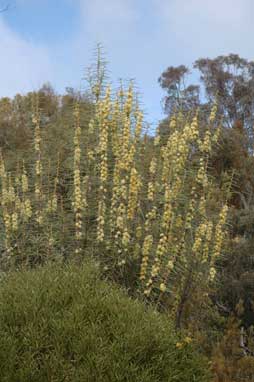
{"x": 87, "y": 330}
{"x": 148, "y": 209}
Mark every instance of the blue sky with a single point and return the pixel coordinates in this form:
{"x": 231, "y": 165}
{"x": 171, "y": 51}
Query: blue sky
{"x": 53, "y": 40}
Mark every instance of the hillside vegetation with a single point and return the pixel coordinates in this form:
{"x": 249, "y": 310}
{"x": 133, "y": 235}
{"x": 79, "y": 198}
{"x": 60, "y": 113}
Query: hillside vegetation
{"x": 82, "y": 176}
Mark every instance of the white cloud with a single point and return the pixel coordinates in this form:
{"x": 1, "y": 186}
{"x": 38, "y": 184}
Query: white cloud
{"x": 131, "y": 45}
{"x": 108, "y": 20}
{"x": 24, "y": 65}
{"x": 110, "y": 11}
{"x": 141, "y": 38}
{"x": 226, "y": 12}
{"x": 208, "y": 27}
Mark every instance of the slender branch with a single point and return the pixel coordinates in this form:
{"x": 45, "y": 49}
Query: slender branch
{"x": 244, "y": 345}
{"x": 184, "y": 297}
{"x": 222, "y": 307}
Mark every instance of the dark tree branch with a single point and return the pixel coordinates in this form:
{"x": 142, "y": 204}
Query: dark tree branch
{"x": 244, "y": 344}
{"x": 222, "y": 307}
{"x": 184, "y": 298}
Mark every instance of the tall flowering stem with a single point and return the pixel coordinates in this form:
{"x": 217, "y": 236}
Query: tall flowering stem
{"x": 38, "y": 164}
{"x": 104, "y": 109}
{"x": 77, "y": 194}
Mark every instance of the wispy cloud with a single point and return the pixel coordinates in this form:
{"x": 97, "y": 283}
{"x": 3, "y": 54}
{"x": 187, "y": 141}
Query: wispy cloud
{"x": 141, "y": 38}
{"x": 23, "y": 65}
{"x": 128, "y": 32}
{"x": 111, "y": 11}
{"x": 144, "y": 37}
{"x": 226, "y": 12}
{"x": 208, "y": 28}
{"x": 108, "y": 22}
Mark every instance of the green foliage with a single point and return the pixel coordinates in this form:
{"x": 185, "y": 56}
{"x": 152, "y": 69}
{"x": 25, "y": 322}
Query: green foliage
{"x": 65, "y": 323}
{"x": 146, "y": 207}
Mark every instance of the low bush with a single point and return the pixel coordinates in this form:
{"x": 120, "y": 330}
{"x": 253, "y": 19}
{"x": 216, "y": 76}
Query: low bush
{"x": 63, "y": 323}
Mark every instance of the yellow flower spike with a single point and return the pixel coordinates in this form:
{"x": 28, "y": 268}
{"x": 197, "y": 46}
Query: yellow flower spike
{"x": 147, "y": 245}
{"x": 153, "y": 166}
{"x": 126, "y": 238}
{"x": 212, "y": 273}
{"x": 139, "y": 232}
{"x": 188, "y": 340}
{"x": 18, "y": 203}
{"x": 11, "y": 192}
{"x": 157, "y": 140}
{"x": 163, "y": 287}
{"x": 38, "y": 165}
{"x": 170, "y": 265}
{"x": 147, "y": 292}
{"x": 150, "y": 191}
{"x": 219, "y": 232}
{"x": 39, "y": 219}
{"x": 104, "y": 110}
{"x": 24, "y": 181}
{"x": 172, "y": 123}
{"x": 199, "y": 236}
{"x": 77, "y": 192}
{"x": 216, "y": 135}
{"x": 206, "y": 145}
{"x": 213, "y": 113}
{"x": 129, "y": 101}
{"x": 14, "y": 219}
{"x": 115, "y": 128}
{"x": 7, "y": 220}
{"x": 207, "y": 243}
{"x": 135, "y": 184}
{"x": 138, "y": 126}
{"x": 28, "y": 209}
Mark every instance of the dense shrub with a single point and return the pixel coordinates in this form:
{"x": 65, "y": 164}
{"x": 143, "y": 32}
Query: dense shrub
{"x": 63, "y": 323}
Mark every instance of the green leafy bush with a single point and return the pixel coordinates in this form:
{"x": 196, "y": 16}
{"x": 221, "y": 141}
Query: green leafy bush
{"x": 63, "y": 323}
